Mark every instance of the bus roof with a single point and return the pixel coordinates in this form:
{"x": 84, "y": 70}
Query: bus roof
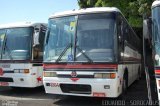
{"x": 85, "y": 10}
{"x": 156, "y": 3}
{"x": 19, "y": 24}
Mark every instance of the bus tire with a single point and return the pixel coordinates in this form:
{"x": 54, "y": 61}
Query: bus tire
{"x": 139, "y": 74}
{"x": 124, "y": 85}
{"x": 16, "y": 88}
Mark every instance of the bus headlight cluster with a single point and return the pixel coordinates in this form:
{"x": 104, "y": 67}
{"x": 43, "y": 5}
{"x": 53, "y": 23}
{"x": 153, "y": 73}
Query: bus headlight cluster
{"x": 50, "y": 74}
{"x": 21, "y": 71}
{"x": 105, "y": 75}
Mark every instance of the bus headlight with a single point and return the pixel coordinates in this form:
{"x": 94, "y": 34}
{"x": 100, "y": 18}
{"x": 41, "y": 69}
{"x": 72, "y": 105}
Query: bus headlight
{"x": 21, "y": 71}
{"x": 98, "y": 75}
{"x": 105, "y": 75}
{"x": 24, "y": 71}
{"x": 50, "y": 74}
{"x": 16, "y": 71}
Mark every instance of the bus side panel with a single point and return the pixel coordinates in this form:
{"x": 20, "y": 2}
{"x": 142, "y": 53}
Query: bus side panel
{"x": 132, "y": 63}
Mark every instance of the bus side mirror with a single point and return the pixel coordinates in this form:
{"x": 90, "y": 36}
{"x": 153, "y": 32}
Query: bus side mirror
{"x": 147, "y": 28}
{"x": 120, "y": 40}
{"x": 47, "y": 36}
{"x": 36, "y": 38}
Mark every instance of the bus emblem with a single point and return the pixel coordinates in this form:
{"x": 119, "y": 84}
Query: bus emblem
{"x": 1, "y": 71}
{"x": 74, "y": 74}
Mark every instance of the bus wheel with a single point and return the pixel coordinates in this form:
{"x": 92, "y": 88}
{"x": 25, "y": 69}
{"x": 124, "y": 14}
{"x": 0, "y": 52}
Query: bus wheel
{"x": 124, "y": 86}
{"x": 139, "y": 74}
{"x": 16, "y": 88}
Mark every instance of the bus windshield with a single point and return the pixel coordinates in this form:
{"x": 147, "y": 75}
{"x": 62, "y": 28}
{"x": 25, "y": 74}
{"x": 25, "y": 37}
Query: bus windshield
{"x": 95, "y": 36}
{"x": 156, "y": 28}
{"x": 81, "y": 38}
{"x": 59, "y": 38}
{"x": 16, "y": 43}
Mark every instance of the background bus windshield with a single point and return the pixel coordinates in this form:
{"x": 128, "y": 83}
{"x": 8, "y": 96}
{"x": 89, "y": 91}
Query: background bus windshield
{"x": 16, "y": 43}
{"x": 156, "y": 29}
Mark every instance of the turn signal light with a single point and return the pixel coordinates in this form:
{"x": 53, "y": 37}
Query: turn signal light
{"x": 26, "y": 71}
{"x": 113, "y": 75}
{"x": 105, "y": 75}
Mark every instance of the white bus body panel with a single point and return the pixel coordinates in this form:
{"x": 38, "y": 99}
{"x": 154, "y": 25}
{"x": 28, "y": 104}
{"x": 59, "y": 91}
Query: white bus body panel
{"x": 85, "y": 11}
{"x": 155, "y": 3}
{"x": 22, "y": 79}
{"x": 97, "y": 85}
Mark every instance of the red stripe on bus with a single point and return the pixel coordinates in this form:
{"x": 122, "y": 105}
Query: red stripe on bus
{"x": 157, "y": 71}
{"x": 80, "y": 66}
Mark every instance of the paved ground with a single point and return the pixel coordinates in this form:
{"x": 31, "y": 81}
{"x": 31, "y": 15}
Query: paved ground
{"x": 136, "y": 95}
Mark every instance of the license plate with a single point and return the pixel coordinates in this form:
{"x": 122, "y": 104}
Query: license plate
{"x": 99, "y": 94}
{"x": 4, "y": 84}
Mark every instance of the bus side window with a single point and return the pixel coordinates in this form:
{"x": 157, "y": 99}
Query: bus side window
{"x": 38, "y": 49}
{"x": 132, "y": 38}
{"x": 126, "y": 33}
{"x": 120, "y": 36}
{"x": 122, "y": 32}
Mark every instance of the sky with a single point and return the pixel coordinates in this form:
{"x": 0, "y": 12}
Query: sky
{"x": 12, "y": 11}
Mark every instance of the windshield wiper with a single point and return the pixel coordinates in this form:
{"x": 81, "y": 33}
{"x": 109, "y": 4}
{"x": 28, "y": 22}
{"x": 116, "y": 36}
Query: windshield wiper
{"x": 85, "y": 55}
{"x": 63, "y": 52}
{"x": 5, "y": 48}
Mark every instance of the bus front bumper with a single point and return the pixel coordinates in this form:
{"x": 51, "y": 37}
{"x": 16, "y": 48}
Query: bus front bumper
{"x": 83, "y": 87}
{"x": 19, "y": 81}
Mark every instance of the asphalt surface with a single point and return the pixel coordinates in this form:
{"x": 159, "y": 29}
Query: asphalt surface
{"x": 136, "y": 95}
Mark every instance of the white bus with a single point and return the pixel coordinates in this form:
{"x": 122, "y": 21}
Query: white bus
{"x": 154, "y": 24}
{"x": 21, "y": 54}
{"x": 90, "y": 52}
{"x": 156, "y": 41}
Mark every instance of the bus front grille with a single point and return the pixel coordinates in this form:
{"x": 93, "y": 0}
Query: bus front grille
{"x": 76, "y": 88}
{"x": 6, "y": 79}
